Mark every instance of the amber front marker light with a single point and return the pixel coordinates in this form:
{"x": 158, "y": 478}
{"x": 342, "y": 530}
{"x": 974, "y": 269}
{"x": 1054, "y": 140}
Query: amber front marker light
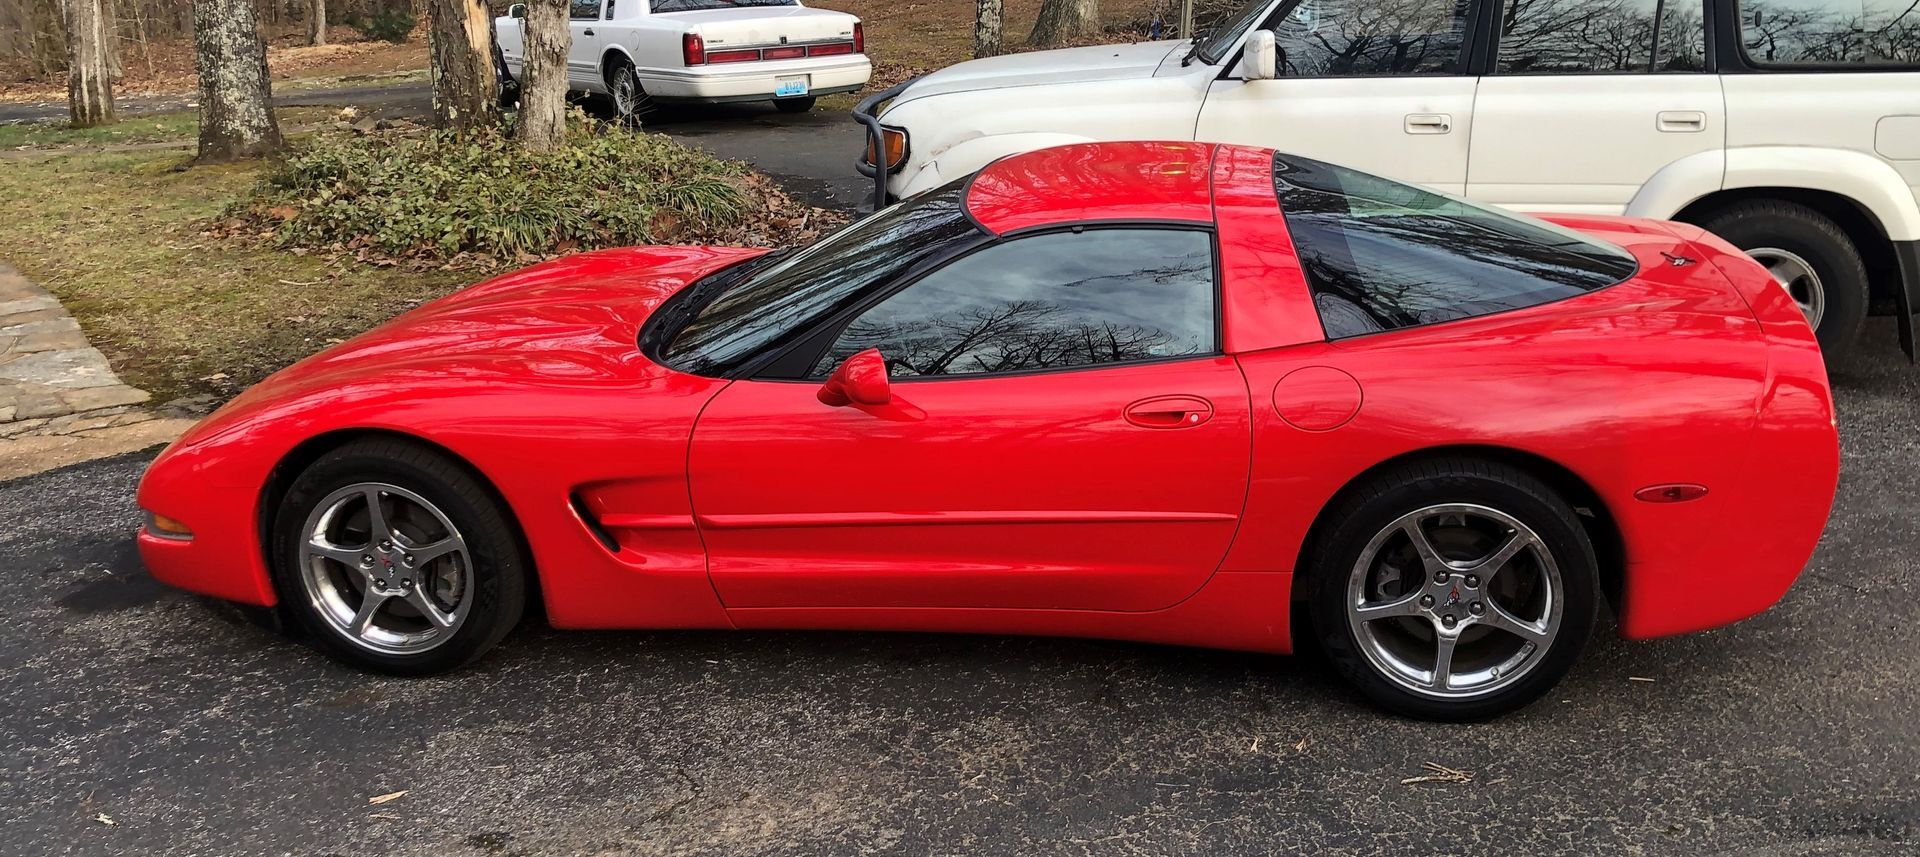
{"x": 896, "y": 143}
{"x": 167, "y": 528}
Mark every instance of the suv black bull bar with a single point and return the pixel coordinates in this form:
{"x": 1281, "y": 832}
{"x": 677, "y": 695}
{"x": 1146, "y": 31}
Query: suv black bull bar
{"x": 867, "y": 113}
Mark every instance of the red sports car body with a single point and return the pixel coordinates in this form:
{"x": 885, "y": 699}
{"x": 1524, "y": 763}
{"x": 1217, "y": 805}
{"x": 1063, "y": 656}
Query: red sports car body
{"x": 1683, "y": 412}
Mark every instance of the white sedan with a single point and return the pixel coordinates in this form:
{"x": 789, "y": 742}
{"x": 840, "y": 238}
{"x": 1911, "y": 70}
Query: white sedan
{"x": 641, "y": 52}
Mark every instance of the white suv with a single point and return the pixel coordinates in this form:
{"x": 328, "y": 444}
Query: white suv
{"x": 1789, "y": 127}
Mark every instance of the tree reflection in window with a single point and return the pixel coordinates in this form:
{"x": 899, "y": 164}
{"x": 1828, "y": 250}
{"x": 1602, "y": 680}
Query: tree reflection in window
{"x": 1371, "y": 37}
{"x": 1381, "y": 255}
{"x": 1050, "y": 301}
{"x": 1831, "y": 31}
{"x": 1575, "y": 36}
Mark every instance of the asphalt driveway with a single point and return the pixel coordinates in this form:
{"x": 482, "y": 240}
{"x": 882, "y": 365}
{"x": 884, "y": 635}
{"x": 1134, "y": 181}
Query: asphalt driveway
{"x": 138, "y": 719}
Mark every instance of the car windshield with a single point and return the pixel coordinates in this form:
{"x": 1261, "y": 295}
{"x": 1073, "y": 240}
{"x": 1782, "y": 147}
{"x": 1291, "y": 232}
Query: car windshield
{"x": 661, "y": 6}
{"x": 1225, "y": 34}
{"x": 768, "y": 308}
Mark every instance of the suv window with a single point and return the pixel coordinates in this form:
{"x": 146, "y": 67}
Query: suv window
{"x": 584, "y": 10}
{"x": 1381, "y": 255}
{"x": 1351, "y": 38}
{"x": 1575, "y": 36}
{"x": 1051, "y": 301}
{"x": 1823, "y": 32}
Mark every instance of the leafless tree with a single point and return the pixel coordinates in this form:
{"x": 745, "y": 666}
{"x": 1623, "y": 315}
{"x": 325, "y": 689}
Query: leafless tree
{"x": 465, "y": 91}
{"x": 89, "y": 66}
{"x": 316, "y": 22}
{"x": 988, "y": 16}
{"x": 1062, "y": 21}
{"x": 542, "y": 122}
{"x": 236, "y": 109}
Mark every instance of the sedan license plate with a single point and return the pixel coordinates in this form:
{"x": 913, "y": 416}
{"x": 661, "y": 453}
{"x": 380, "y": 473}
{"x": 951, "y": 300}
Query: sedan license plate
{"x": 788, "y": 87}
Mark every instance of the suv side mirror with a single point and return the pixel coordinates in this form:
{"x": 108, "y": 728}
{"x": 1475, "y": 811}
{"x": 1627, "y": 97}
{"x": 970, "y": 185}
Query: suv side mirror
{"x": 860, "y": 380}
{"x": 1260, "y": 58}
{"x": 517, "y": 10}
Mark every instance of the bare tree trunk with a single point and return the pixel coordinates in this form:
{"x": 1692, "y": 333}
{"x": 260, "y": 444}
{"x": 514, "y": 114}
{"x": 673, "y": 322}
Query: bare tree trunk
{"x": 465, "y": 93}
{"x": 988, "y": 16}
{"x": 543, "y": 79}
{"x": 49, "y": 37}
{"x": 89, "y": 74}
{"x": 1062, "y": 21}
{"x": 316, "y": 22}
{"x": 236, "y": 116}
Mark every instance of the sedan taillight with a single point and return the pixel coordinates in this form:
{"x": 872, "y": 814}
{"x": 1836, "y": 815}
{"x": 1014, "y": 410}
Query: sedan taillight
{"x": 692, "y": 50}
{"x": 859, "y": 38}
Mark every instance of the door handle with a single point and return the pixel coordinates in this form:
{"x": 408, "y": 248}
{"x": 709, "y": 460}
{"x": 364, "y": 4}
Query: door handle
{"x": 1168, "y": 412}
{"x": 587, "y": 32}
{"x": 1681, "y": 121}
{"x": 1429, "y": 123}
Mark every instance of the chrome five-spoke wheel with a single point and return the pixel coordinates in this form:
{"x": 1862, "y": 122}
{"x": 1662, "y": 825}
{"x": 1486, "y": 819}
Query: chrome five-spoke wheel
{"x": 1454, "y": 600}
{"x": 386, "y": 569}
{"x": 1798, "y": 277}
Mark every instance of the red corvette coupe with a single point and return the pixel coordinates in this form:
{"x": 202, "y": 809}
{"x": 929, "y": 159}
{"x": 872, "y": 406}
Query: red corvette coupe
{"x": 1172, "y": 392}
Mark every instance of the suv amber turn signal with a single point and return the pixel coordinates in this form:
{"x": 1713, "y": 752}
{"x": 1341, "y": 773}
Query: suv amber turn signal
{"x": 896, "y": 143}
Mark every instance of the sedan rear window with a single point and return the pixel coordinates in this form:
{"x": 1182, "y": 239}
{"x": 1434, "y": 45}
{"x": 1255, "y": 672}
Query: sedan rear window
{"x": 1381, "y": 255}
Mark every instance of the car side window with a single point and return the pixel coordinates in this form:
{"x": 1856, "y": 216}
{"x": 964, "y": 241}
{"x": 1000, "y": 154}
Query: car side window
{"x": 1057, "y": 300}
{"x": 1830, "y": 32}
{"x": 1381, "y": 255}
{"x": 1364, "y": 38}
{"x": 1602, "y": 36}
{"x": 584, "y": 10}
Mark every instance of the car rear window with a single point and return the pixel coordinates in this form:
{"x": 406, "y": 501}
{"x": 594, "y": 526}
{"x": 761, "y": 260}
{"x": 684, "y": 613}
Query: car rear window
{"x": 1831, "y": 32}
{"x": 1380, "y": 255}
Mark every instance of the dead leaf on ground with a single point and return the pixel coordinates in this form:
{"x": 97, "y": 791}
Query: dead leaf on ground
{"x": 106, "y": 819}
{"x": 377, "y": 800}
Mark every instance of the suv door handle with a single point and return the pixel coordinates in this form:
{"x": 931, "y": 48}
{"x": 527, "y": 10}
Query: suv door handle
{"x": 587, "y": 32}
{"x": 1429, "y": 123}
{"x": 1168, "y": 412}
{"x": 1681, "y": 121}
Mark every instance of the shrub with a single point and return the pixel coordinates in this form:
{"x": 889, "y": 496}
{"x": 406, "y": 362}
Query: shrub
{"x": 434, "y": 195}
{"x": 387, "y": 25}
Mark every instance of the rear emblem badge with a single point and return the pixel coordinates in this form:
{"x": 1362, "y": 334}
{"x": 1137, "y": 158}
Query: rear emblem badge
{"x": 1676, "y": 261}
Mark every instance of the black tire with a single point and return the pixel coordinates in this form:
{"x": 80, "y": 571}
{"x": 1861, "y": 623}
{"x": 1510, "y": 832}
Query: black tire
{"x": 1375, "y": 506}
{"x": 508, "y": 88}
{"x": 635, "y": 109}
{"x": 499, "y": 560}
{"x": 794, "y": 105}
{"x": 1815, "y": 237}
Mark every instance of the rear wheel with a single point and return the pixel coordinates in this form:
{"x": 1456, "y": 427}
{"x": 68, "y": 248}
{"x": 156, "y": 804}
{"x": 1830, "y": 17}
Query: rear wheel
{"x": 396, "y": 559}
{"x": 1810, "y": 255}
{"x": 629, "y": 101}
{"x": 1455, "y": 589}
{"x": 794, "y": 105}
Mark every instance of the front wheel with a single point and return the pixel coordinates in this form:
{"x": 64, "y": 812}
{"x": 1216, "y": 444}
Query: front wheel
{"x": 793, "y": 105}
{"x": 1454, "y": 590}
{"x": 394, "y": 558}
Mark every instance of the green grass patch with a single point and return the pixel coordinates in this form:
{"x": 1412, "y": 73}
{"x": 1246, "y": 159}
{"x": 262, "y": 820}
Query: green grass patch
{"x": 147, "y": 128}
{"x": 118, "y": 238}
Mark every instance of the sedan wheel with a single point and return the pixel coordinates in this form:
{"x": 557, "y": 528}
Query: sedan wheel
{"x": 395, "y": 558}
{"x": 1451, "y": 588}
